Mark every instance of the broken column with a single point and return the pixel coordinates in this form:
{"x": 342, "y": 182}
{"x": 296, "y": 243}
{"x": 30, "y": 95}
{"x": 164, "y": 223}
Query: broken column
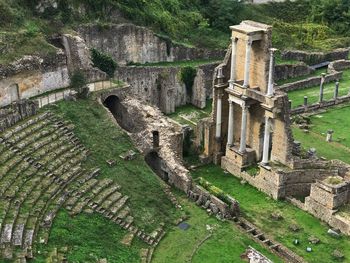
{"x": 329, "y": 135}
{"x": 290, "y": 104}
{"x": 270, "y": 87}
{"x": 265, "y": 159}
{"x": 336, "y": 90}
{"x": 323, "y": 77}
{"x": 305, "y": 101}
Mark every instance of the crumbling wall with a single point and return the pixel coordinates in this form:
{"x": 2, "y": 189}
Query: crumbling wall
{"x": 312, "y": 58}
{"x": 130, "y": 43}
{"x": 286, "y": 71}
{"x": 147, "y": 119}
{"x": 15, "y": 112}
{"x": 162, "y": 86}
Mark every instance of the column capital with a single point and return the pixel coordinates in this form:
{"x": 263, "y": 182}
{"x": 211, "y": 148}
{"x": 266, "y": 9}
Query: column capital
{"x": 273, "y": 50}
{"x": 249, "y": 42}
{"x": 220, "y": 74}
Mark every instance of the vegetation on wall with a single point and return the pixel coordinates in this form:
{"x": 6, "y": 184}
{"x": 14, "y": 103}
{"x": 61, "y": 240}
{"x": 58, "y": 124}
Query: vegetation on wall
{"x": 187, "y": 75}
{"x": 104, "y": 62}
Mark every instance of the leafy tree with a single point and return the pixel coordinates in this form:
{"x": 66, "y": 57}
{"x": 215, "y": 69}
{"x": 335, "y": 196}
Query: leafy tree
{"x": 104, "y": 62}
{"x": 78, "y": 83}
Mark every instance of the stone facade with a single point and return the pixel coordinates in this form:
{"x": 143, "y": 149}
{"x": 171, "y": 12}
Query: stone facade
{"x": 162, "y": 86}
{"x": 128, "y": 43}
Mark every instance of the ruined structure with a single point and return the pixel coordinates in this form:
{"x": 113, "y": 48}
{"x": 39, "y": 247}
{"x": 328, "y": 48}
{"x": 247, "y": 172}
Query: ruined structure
{"x": 250, "y": 127}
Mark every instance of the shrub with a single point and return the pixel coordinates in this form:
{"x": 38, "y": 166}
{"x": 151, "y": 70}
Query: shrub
{"x": 187, "y": 75}
{"x": 214, "y": 190}
{"x": 104, "y": 62}
{"x": 78, "y": 83}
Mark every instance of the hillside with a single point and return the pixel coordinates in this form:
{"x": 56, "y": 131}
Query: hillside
{"x": 301, "y": 24}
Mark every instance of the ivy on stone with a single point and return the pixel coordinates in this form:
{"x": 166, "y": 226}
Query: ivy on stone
{"x": 187, "y": 75}
{"x": 104, "y": 62}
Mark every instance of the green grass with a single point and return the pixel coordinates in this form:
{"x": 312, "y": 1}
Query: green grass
{"x": 257, "y": 207}
{"x": 88, "y": 238}
{"x": 336, "y": 119}
{"x": 190, "y": 115}
{"x": 107, "y": 141}
{"x": 187, "y": 63}
{"x": 297, "y": 96}
{"x": 226, "y": 244}
{"x": 317, "y": 72}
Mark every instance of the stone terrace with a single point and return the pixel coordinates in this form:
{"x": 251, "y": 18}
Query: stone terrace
{"x": 41, "y": 172}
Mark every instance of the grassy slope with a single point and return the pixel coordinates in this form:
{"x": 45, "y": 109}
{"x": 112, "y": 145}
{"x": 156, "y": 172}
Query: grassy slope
{"x": 257, "y": 207}
{"x": 336, "y": 119}
{"x": 317, "y": 72}
{"x": 88, "y": 238}
{"x": 312, "y": 93}
{"x": 226, "y": 244}
{"x": 106, "y": 141}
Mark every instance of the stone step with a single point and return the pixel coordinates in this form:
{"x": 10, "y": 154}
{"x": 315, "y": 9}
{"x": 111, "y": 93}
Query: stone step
{"x": 119, "y": 204}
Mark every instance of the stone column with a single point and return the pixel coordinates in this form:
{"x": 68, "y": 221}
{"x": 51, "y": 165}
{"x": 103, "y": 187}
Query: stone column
{"x": 329, "y": 135}
{"x": 233, "y": 61}
{"x": 305, "y": 101}
{"x": 218, "y": 116}
{"x": 242, "y": 147}
{"x": 336, "y": 90}
{"x": 270, "y": 86}
{"x": 290, "y": 104}
{"x": 247, "y": 63}
{"x": 265, "y": 159}
{"x": 321, "y": 86}
{"x": 230, "y": 124}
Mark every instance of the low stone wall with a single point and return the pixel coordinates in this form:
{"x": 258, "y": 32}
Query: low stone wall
{"x": 203, "y": 198}
{"x": 310, "y": 82}
{"x": 15, "y": 112}
{"x": 162, "y": 87}
{"x": 312, "y": 58}
{"x": 130, "y": 43}
{"x": 319, "y": 106}
{"x": 287, "y": 71}
{"x": 338, "y": 65}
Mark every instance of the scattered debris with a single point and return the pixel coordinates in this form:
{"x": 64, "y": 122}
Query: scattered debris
{"x": 128, "y": 156}
{"x": 294, "y": 227}
{"x": 308, "y": 249}
{"x": 276, "y": 216}
{"x": 338, "y": 254}
{"x": 314, "y": 240}
{"x": 111, "y": 162}
{"x": 333, "y": 233}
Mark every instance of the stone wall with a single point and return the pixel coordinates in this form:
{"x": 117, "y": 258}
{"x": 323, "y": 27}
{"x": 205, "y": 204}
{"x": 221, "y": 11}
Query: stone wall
{"x": 310, "y": 82}
{"x": 286, "y": 71}
{"x": 15, "y": 112}
{"x": 312, "y": 58}
{"x": 162, "y": 87}
{"x": 130, "y": 43}
{"x": 338, "y": 65}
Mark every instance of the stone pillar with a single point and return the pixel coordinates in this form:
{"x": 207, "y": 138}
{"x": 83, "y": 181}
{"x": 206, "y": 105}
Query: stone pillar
{"x": 247, "y": 63}
{"x": 336, "y": 90}
{"x": 321, "y": 86}
{"x": 230, "y": 124}
{"x": 305, "y": 101}
{"x": 329, "y": 135}
{"x": 270, "y": 86}
{"x": 242, "y": 147}
{"x": 218, "y": 116}
{"x": 265, "y": 159}
{"x": 233, "y": 61}
{"x": 290, "y": 104}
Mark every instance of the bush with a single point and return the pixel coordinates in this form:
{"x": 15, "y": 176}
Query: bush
{"x": 187, "y": 75}
{"x": 78, "y": 83}
{"x": 214, "y": 190}
{"x": 104, "y": 62}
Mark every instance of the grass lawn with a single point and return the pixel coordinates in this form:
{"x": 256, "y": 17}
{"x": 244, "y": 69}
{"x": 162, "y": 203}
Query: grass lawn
{"x": 226, "y": 244}
{"x": 257, "y": 207}
{"x": 191, "y": 115}
{"x": 148, "y": 203}
{"x": 336, "y": 119}
{"x": 186, "y": 63}
{"x": 89, "y": 238}
{"x": 297, "y": 96}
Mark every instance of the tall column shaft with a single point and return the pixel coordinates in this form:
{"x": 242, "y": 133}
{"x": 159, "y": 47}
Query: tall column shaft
{"x": 247, "y": 63}
{"x": 230, "y": 125}
{"x": 233, "y": 62}
{"x": 270, "y": 86}
{"x": 218, "y": 116}
{"x": 265, "y": 159}
{"x": 242, "y": 147}
{"x": 336, "y": 90}
{"x": 321, "y": 87}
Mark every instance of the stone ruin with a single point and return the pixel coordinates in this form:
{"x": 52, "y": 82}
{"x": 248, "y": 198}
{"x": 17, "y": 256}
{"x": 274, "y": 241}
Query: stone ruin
{"x": 250, "y": 125}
